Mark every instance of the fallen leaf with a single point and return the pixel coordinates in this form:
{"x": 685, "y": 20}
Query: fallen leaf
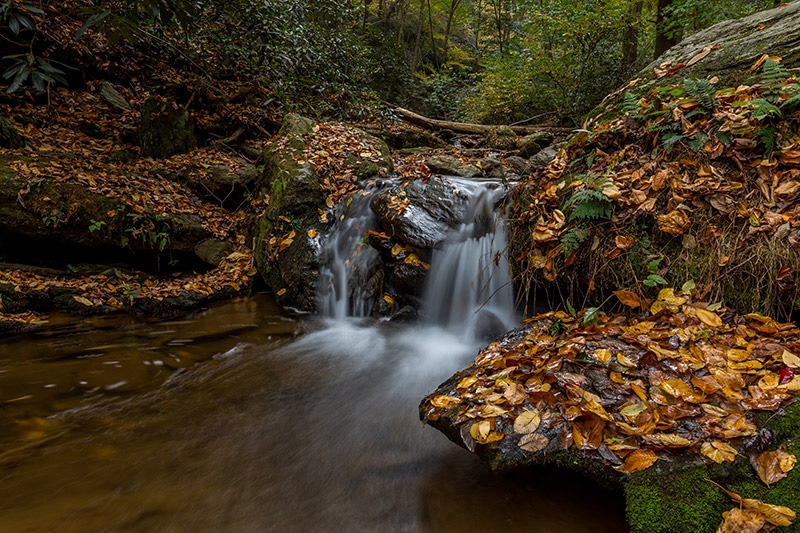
{"x": 739, "y": 520}
{"x": 771, "y": 467}
{"x": 533, "y": 442}
{"x": 527, "y": 422}
{"x": 709, "y": 318}
{"x": 718, "y": 451}
{"x": 637, "y": 460}
{"x": 628, "y": 298}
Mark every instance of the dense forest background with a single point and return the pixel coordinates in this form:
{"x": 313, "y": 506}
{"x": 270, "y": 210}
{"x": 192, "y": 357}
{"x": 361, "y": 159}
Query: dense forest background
{"x": 490, "y": 61}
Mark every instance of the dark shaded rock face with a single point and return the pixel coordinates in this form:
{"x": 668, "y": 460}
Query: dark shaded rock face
{"x": 287, "y": 235}
{"x": 166, "y": 129}
{"x": 9, "y": 136}
{"x": 422, "y": 213}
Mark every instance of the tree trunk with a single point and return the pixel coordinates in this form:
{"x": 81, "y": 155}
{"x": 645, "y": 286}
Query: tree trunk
{"x": 663, "y": 42}
{"x": 466, "y": 128}
{"x": 630, "y": 41}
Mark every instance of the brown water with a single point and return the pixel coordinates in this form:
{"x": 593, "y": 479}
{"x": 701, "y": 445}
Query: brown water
{"x": 239, "y": 419}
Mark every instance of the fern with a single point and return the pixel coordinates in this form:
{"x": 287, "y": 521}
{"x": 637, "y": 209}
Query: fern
{"x": 631, "y": 105}
{"x": 698, "y": 142}
{"x": 769, "y": 139}
{"x": 573, "y": 238}
{"x": 762, "y": 108}
{"x": 773, "y": 74}
{"x": 791, "y": 103}
{"x": 588, "y": 204}
{"x": 670, "y": 138}
{"x": 702, "y": 91}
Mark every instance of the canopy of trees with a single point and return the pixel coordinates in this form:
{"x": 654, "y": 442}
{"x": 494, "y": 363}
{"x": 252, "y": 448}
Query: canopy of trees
{"x": 491, "y": 61}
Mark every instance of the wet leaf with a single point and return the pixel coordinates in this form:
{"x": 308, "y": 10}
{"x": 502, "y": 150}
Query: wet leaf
{"x": 790, "y": 359}
{"x": 527, "y": 422}
{"x": 444, "y": 401}
{"x": 637, "y": 460}
{"x": 718, "y": 451}
{"x": 739, "y": 520}
{"x": 771, "y": 467}
{"x": 628, "y": 299}
{"x": 708, "y": 317}
{"x": 84, "y": 301}
{"x": 667, "y": 440}
{"x": 533, "y": 442}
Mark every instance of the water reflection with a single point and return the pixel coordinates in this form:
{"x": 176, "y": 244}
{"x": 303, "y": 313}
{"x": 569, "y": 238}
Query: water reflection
{"x": 313, "y": 434}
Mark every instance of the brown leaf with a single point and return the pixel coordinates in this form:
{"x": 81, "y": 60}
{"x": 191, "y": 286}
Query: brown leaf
{"x": 774, "y": 514}
{"x": 739, "y": 520}
{"x": 533, "y": 442}
{"x": 771, "y": 467}
{"x": 638, "y": 460}
{"x": 676, "y": 222}
{"x": 628, "y": 299}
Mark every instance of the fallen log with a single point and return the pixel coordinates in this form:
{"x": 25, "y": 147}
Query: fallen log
{"x": 468, "y": 128}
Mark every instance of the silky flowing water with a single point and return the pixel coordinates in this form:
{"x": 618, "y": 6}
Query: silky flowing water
{"x": 239, "y": 418}
{"x": 268, "y": 424}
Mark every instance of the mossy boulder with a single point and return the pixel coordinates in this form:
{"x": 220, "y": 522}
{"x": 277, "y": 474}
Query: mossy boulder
{"x": 502, "y": 138}
{"x": 303, "y": 181}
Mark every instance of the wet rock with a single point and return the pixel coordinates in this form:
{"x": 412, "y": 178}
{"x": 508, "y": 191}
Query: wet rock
{"x": 503, "y": 138}
{"x": 520, "y": 165}
{"x": 532, "y": 144}
{"x": 431, "y": 209}
{"x": 212, "y": 251}
{"x": 113, "y": 98}
{"x": 287, "y": 242}
{"x": 410, "y": 278}
{"x": 449, "y": 165}
{"x": 544, "y": 157}
{"x": 166, "y": 129}
{"x": 493, "y": 168}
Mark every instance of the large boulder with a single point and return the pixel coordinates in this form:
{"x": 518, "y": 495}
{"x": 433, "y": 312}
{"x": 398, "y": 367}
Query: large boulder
{"x": 55, "y": 222}
{"x": 421, "y": 213}
{"x": 302, "y": 181}
{"x": 648, "y": 403}
{"x": 448, "y": 165}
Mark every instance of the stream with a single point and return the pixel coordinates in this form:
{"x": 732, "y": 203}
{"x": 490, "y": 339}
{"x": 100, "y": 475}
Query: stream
{"x": 240, "y": 418}
{"x": 254, "y": 422}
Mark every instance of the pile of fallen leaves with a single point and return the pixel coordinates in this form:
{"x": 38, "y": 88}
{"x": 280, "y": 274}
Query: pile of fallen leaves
{"x": 718, "y": 169}
{"x": 683, "y": 380}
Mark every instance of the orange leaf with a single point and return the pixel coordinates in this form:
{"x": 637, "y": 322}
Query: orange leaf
{"x": 628, "y": 299}
{"x": 708, "y": 318}
{"x": 638, "y": 460}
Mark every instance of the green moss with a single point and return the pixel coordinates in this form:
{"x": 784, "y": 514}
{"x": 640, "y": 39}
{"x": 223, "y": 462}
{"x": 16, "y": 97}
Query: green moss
{"x": 663, "y": 502}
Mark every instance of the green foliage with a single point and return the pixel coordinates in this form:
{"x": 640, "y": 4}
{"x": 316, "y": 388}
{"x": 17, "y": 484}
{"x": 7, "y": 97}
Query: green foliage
{"x": 768, "y": 137}
{"x": 631, "y": 105}
{"x": 572, "y": 239}
{"x": 96, "y": 225}
{"x": 39, "y": 71}
{"x": 703, "y": 91}
{"x": 684, "y": 17}
{"x": 589, "y": 203}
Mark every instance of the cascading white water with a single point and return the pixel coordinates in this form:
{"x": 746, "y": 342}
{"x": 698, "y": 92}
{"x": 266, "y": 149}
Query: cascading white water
{"x": 469, "y": 289}
{"x": 348, "y": 264}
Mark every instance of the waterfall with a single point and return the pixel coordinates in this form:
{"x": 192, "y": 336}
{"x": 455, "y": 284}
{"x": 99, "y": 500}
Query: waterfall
{"x": 469, "y": 288}
{"x": 348, "y": 276}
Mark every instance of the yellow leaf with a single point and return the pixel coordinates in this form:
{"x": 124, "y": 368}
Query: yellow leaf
{"x": 668, "y": 296}
{"x": 739, "y": 520}
{"x": 637, "y": 460}
{"x": 790, "y": 359}
{"x": 388, "y": 299}
{"x": 775, "y": 514}
{"x": 718, "y": 451}
{"x": 466, "y": 382}
{"x": 281, "y": 292}
{"x": 82, "y": 300}
{"x": 771, "y": 467}
{"x": 708, "y": 318}
{"x": 533, "y": 442}
{"x": 312, "y": 233}
{"x": 633, "y": 410}
{"x": 603, "y": 355}
{"x": 626, "y": 361}
{"x": 527, "y": 422}
{"x": 667, "y": 440}
{"x": 445, "y": 402}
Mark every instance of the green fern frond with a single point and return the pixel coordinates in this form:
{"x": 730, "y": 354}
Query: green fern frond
{"x": 792, "y": 102}
{"x": 631, "y": 105}
{"x": 762, "y": 108}
{"x": 698, "y": 141}
{"x": 573, "y": 238}
{"x": 774, "y": 77}
{"x": 670, "y": 138}
{"x": 769, "y": 139}
{"x": 588, "y": 204}
{"x": 702, "y": 91}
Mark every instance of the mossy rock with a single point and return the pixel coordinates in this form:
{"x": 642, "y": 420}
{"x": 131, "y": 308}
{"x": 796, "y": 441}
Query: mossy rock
{"x": 659, "y": 500}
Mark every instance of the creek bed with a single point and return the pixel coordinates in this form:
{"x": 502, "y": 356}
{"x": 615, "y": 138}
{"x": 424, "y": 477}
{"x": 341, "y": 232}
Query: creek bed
{"x": 253, "y": 422}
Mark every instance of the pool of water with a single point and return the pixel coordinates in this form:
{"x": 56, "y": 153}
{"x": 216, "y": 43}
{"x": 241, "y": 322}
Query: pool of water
{"x": 241, "y": 419}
